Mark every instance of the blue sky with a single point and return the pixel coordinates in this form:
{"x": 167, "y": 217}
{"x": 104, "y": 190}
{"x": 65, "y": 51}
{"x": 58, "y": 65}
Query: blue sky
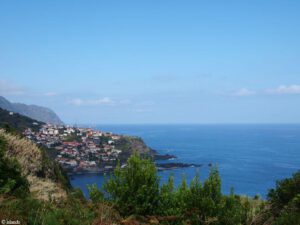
{"x": 154, "y": 61}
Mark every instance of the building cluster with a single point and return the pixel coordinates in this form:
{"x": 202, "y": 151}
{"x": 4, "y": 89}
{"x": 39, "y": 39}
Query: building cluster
{"x": 78, "y": 149}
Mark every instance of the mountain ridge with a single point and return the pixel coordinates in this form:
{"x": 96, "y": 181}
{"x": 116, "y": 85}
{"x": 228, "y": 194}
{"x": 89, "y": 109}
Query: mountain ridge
{"x": 35, "y": 112}
{"x": 17, "y": 121}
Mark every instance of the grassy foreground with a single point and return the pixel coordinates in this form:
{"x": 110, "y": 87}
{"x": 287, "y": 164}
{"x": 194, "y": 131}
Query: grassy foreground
{"x": 34, "y": 190}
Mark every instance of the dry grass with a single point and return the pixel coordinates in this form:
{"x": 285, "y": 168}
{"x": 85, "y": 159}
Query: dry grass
{"x": 106, "y": 215}
{"x": 27, "y": 153}
{"x": 30, "y": 159}
{"x": 45, "y": 189}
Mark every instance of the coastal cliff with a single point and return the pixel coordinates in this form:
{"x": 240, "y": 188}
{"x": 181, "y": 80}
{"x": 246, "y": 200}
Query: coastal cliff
{"x": 136, "y": 145}
{"x": 130, "y": 145}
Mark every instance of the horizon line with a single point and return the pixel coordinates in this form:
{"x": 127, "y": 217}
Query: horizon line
{"x": 237, "y": 123}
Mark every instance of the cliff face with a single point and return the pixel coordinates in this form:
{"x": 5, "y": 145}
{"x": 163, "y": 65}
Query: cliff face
{"x": 35, "y": 112}
{"x": 130, "y": 145}
{"x": 44, "y": 175}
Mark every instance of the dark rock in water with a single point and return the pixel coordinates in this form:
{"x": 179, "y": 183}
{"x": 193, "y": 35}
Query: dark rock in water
{"x": 156, "y": 156}
{"x": 170, "y": 166}
{"x": 164, "y": 157}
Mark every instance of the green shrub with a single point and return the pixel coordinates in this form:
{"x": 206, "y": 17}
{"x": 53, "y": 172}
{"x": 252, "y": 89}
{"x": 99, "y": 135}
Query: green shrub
{"x": 95, "y": 194}
{"x": 234, "y": 210}
{"x": 135, "y": 189}
{"x": 32, "y": 211}
{"x": 11, "y": 179}
{"x": 203, "y": 203}
{"x": 285, "y": 201}
{"x": 286, "y": 190}
{"x": 168, "y": 202}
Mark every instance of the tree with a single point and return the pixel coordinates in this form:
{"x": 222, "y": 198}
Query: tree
{"x": 285, "y": 201}
{"x": 95, "y": 194}
{"x": 204, "y": 200}
{"x": 168, "y": 202}
{"x": 212, "y": 194}
{"x": 135, "y": 188}
{"x": 233, "y": 211}
{"x": 286, "y": 190}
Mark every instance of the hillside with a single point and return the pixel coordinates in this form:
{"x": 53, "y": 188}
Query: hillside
{"x": 45, "y": 178}
{"x": 34, "y": 190}
{"x": 17, "y": 121}
{"x": 35, "y": 112}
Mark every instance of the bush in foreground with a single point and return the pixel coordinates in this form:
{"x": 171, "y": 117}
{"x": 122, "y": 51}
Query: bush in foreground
{"x": 135, "y": 191}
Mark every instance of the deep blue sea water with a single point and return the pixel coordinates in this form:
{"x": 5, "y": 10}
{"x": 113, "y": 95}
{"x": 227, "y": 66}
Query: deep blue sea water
{"x": 250, "y": 158}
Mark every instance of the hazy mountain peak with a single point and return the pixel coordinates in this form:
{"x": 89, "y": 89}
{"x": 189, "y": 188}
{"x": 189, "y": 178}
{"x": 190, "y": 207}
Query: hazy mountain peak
{"x": 39, "y": 113}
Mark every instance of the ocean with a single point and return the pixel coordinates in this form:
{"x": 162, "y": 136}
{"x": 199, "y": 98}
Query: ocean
{"x": 250, "y": 158}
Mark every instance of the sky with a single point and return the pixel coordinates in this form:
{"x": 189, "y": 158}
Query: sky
{"x": 153, "y": 61}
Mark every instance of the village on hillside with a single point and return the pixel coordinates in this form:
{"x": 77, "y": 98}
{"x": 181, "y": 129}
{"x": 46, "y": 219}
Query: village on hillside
{"x": 78, "y": 150}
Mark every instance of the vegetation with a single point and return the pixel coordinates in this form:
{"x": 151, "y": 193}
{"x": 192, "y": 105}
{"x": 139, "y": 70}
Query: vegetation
{"x": 135, "y": 191}
{"x": 131, "y": 145}
{"x": 32, "y": 111}
{"x": 33, "y": 211}
{"x": 72, "y": 137}
{"x": 30, "y": 183}
{"x": 285, "y": 201}
{"x": 11, "y": 179}
{"x": 34, "y": 190}
{"x": 16, "y": 122}
{"x": 96, "y": 195}
{"x": 44, "y": 175}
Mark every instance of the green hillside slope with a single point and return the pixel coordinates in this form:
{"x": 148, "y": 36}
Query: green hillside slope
{"x": 17, "y": 121}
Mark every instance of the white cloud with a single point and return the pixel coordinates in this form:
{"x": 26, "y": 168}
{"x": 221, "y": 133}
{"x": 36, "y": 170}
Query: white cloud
{"x": 76, "y": 101}
{"x": 140, "y": 110}
{"x": 280, "y": 90}
{"x": 7, "y": 88}
{"x": 86, "y": 102}
{"x": 244, "y": 92}
{"x": 283, "y": 89}
{"x": 50, "y": 94}
{"x": 125, "y": 102}
{"x": 146, "y": 103}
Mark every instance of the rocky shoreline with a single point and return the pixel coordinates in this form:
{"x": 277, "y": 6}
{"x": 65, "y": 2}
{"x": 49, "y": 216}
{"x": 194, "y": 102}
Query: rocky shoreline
{"x": 130, "y": 145}
{"x": 171, "y": 166}
{"x": 159, "y": 166}
{"x": 163, "y": 157}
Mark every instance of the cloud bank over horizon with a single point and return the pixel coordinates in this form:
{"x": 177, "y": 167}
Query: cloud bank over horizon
{"x": 74, "y": 109}
{"x": 155, "y": 61}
